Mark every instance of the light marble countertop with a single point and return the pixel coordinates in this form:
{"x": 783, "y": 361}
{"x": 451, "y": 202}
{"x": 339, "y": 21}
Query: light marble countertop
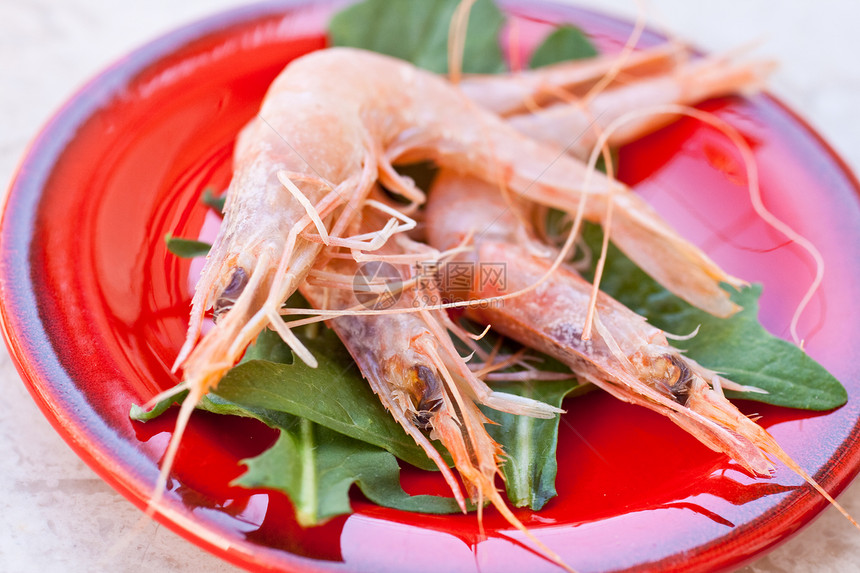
{"x": 57, "y": 515}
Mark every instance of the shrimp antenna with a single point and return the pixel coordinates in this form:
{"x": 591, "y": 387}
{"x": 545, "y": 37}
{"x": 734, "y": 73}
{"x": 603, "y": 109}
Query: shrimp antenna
{"x": 753, "y": 187}
{"x": 626, "y": 51}
{"x": 457, "y": 39}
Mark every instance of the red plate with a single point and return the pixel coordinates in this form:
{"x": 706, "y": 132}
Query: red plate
{"x": 94, "y": 311}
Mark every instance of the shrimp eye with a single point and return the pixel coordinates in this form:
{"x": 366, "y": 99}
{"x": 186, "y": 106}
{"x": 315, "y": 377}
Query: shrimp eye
{"x": 422, "y": 420}
{"x": 430, "y": 399}
{"x": 231, "y": 292}
{"x": 681, "y": 379}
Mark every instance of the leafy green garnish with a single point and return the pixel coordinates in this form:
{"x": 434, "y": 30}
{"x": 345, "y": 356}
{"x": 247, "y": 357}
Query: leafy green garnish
{"x": 215, "y": 404}
{"x": 563, "y": 44}
{"x": 189, "y": 248}
{"x": 333, "y": 395}
{"x": 316, "y": 467}
{"x": 186, "y": 248}
{"x": 417, "y": 31}
{"x": 210, "y": 199}
{"x": 738, "y": 347}
{"x": 530, "y": 443}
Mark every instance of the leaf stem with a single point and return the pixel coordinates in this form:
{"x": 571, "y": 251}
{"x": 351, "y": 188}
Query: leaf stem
{"x": 308, "y": 515}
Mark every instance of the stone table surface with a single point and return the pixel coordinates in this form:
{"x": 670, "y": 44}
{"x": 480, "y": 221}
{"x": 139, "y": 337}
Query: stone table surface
{"x": 57, "y": 515}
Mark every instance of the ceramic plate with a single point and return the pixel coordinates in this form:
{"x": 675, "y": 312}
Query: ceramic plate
{"x": 94, "y": 311}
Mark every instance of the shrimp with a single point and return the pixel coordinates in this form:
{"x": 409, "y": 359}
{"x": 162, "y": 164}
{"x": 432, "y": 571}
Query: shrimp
{"x": 563, "y": 105}
{"x": 515, "y": 94}
{"x": 687, "y": 84}
{"x": 331, "y": 124}
{"x": 628, "y": 357}
{"x": 411, "y": 364}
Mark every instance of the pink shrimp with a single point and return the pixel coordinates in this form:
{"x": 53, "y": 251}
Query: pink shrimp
{"x": 520, "y": 93}
{"x": 686, "y": 84}
{"x": 411, "y": 364}
{"x": 627, "y": 357}
{"x": 564, "y": 103}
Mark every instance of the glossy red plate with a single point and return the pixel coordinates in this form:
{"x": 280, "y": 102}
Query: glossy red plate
{"x": 94, "y": 311}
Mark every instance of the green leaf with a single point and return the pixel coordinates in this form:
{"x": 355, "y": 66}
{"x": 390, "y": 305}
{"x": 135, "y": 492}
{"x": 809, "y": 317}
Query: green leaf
{"x": 333, "y": 395}
{"x": 186, "y": 248}
{"x": 215, "y": 404}
{"x": 213, "y": 201}
{"x": 564, "y": 43}
{"x": 738, "y": 347}
{"x": 530, "y": 443}
{"x": 316, "y": 467}
{"x": 140, "y": 414}
{"x": 417, "y": 31}
{"x": 269, "y": 347}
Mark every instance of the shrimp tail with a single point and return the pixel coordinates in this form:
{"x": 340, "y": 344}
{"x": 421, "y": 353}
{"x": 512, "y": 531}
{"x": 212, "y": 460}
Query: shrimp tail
{"x": 659, "y": 251}
{"x": 477, "y": 458}
{"x": 719, "y": 76}
{"x": 520, "y": 93}
{"x": 707, "y": 402}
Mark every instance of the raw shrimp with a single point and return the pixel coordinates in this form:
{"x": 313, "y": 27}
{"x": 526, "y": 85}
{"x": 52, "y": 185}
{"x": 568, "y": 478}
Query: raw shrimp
{"x": 686, "y": 84}
{"x": 627, "y": 357}
{"x": 330, "y": 125}
{"x": 412, "y": 366}
{"x": 514, "y": 94}
{"x": 563, "y": 104}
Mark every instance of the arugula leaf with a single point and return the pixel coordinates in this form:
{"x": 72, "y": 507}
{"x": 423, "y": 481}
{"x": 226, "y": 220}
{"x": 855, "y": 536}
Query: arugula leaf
{"x": 189, "y": 248}
{"x": 141, "y": 414}
{"x": 333, "y": 395}
{"x": 530, "y": 443}
{"x": 564, "y": 43}
{"x": 186, "y": 248}
{"x": 215, "y": 404}
{"x": 418, "y": 32}
{"x": 210, "y": 199}
{"x": 316, "y": 467}
{"x": 738, "y": 347}
{"x": 269, "y": 347}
